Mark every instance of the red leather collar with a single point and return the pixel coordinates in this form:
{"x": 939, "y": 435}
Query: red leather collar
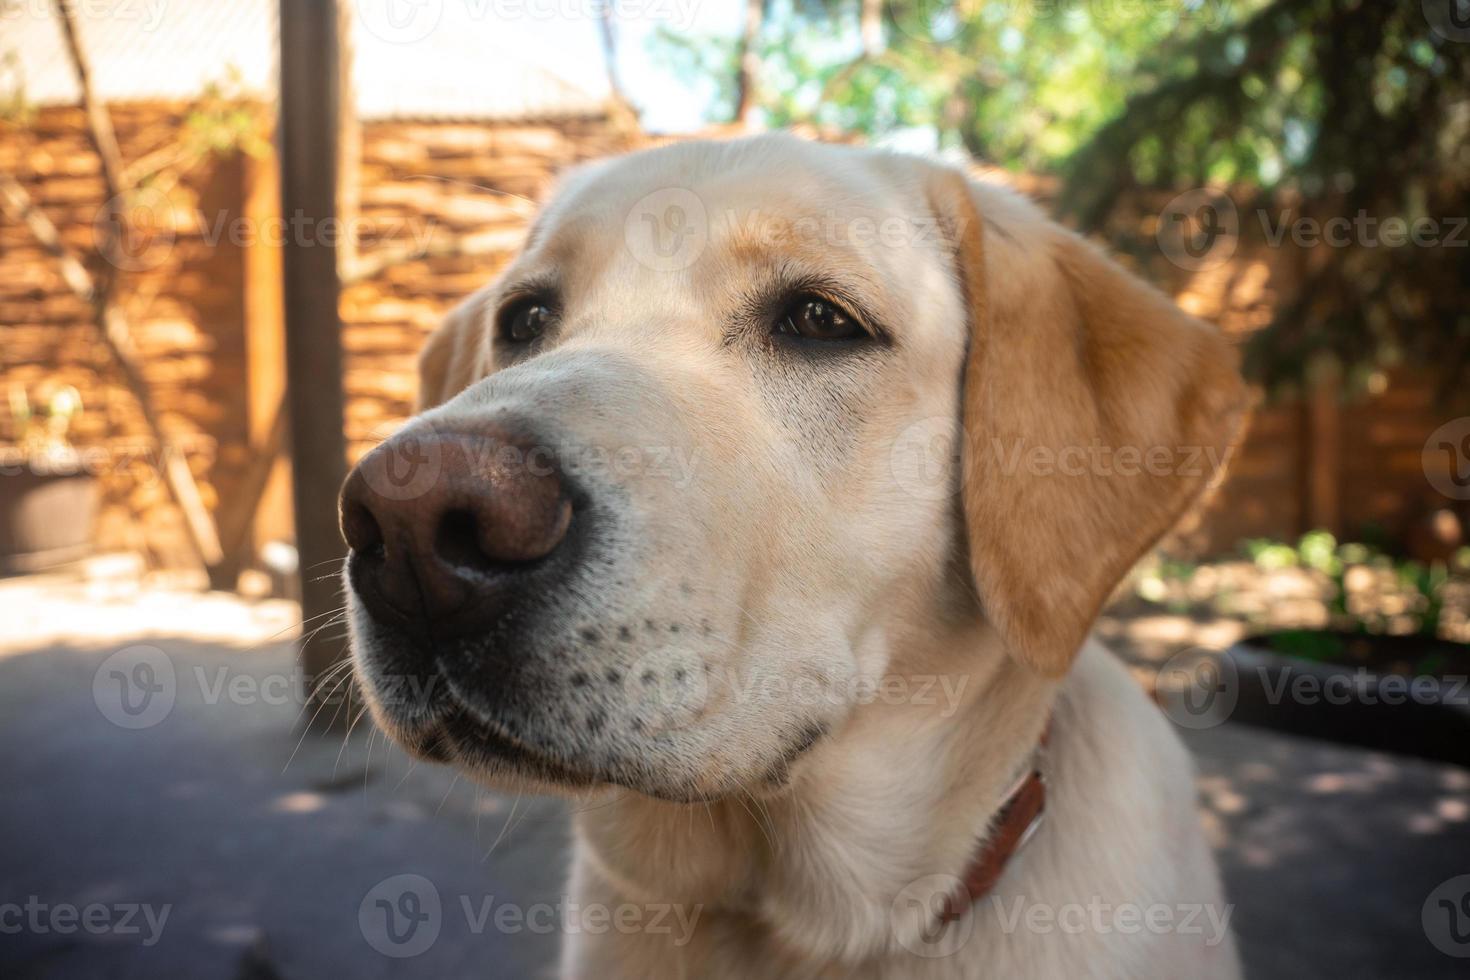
{"x": 1016, "y": 822}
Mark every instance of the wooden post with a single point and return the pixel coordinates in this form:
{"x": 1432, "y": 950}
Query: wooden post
{"x": 310, "y": 96}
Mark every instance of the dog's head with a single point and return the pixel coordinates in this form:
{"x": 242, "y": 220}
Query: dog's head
{"x": 736, "y": 416}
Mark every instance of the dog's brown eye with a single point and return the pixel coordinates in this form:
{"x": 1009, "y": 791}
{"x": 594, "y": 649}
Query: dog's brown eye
{"x": 814, "y": 318}
{"x": 525, "y": 321}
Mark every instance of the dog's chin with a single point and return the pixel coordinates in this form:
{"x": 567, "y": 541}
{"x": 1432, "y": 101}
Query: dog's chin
{"x": 452, "y": 734}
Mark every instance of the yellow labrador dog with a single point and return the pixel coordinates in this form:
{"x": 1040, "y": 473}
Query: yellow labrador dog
{"x": 764, "y": 504}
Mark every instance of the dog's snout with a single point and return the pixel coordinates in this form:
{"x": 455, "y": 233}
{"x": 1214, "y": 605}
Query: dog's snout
{"x": 443, "y": 525}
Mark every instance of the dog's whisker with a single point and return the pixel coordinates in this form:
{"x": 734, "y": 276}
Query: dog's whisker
{"x": 445, "y": 798}
{"x": 347, "y": 738}
{"x": 503, "y": 829}
{"x": 321, "y": 703}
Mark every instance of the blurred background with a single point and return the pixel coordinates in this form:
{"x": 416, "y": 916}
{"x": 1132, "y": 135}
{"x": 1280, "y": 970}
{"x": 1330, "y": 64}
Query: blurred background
{"x": 227, "y": 226}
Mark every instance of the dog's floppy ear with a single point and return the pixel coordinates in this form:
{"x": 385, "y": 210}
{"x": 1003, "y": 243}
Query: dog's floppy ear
{"x": 454, "y": 357}
{"x": 1094, "y": 412}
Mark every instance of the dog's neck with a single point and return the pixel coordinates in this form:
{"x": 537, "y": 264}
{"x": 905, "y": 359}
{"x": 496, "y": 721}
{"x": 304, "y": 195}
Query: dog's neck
{"x": 897, "y": 794}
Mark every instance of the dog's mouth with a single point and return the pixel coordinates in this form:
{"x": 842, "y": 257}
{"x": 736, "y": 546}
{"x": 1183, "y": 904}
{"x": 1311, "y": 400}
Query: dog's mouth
{"x": 454, "y": 734}
{"x": 443, "y": 727}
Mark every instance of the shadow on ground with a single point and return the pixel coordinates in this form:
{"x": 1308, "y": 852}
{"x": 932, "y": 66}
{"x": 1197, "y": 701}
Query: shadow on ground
{"x": 217, "y": 845}
{"x": 191, "y": 834}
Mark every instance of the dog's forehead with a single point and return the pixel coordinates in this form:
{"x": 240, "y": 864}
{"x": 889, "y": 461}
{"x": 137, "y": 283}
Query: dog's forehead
{"x": 776, "y": 171}
{"x": 769, "y": 193}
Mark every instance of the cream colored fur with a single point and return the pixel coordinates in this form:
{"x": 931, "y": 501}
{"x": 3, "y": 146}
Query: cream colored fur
{"x": 805, "y": 541}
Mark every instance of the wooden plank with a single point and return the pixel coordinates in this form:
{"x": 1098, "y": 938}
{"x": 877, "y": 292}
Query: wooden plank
{"x": 265, "y": 337}
{"x": 1324, "y": 447}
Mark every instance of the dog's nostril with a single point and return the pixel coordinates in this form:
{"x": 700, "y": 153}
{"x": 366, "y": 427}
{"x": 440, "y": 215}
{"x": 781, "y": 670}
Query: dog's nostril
{"x": 457, "y": 542}
{"x": 360, "y": 529}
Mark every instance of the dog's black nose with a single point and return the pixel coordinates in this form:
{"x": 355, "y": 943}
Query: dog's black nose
{"x": 443, "y": 525}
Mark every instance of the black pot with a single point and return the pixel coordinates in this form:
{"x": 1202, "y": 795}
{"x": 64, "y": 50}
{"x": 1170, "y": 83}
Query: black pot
{"x": 46, "y": 519}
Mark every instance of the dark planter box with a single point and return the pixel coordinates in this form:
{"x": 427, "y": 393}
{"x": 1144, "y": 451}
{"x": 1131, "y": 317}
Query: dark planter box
{"x": 45, "y": 519}
{"x": 1425, "y": 716}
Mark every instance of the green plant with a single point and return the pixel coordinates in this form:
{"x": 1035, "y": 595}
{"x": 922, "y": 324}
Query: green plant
{"x": 46, "y": 431}
{"x": 224, "y": 120}
{"x": 15, "y": 107}
{"x": 1307, "y": 644}
{"x": 1270, "y": 556}
{"x": 1428, "y": 581}
{"x": 1320, "y": 551}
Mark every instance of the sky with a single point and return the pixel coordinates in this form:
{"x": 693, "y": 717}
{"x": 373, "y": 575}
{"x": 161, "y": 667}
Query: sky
{"x": 564, "y": 35}
{"x": 180, "y": 42}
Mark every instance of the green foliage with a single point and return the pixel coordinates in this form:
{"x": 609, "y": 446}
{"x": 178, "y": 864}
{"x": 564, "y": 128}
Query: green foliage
{"x": 43, "y": 430}
{"x": 14, "y": 106}
{"x": 1165, "y": 580}
{"x": 221, "y": 121}
{"x": 1320, "y": 551}
{"x": 1341, "y": 106}
{"x": 1312, "y": 645}
{"x": 1270, "y": 556}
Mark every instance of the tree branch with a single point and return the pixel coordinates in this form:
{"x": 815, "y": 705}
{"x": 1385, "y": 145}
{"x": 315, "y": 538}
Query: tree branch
{"x": 22, "y": 209}
{"x": 108, "y": 317}
{"x": 99, "y": 123}
{"x": 747, "y": 67}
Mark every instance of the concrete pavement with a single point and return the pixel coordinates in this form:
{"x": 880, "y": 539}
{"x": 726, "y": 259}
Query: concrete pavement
{"x": 202, "y": 842}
